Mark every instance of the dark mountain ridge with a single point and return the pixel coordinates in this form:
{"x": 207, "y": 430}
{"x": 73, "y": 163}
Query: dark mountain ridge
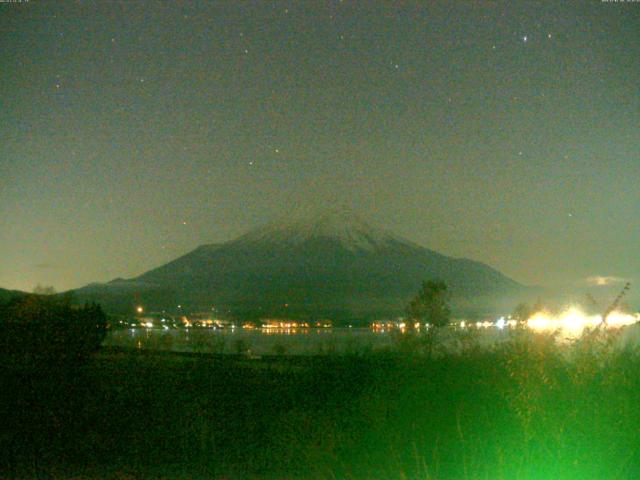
{"x": 331, "y": 265}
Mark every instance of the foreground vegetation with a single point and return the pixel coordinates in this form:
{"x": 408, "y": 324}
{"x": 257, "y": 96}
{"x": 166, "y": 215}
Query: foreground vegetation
{"x": 42, "y": 330}
{"x": 530, "y": 410}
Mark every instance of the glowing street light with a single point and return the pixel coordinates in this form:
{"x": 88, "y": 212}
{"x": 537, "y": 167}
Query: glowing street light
{"x": 139, "y": 309}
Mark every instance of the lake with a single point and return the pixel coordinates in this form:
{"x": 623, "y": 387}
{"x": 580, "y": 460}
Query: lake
{"x": 307, "y": 341}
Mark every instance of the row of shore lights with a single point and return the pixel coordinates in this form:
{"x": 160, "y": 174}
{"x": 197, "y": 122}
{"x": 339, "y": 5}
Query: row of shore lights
{"x": 140, "y": 309}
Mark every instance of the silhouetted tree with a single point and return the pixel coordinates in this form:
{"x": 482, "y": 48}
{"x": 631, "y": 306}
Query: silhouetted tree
{"x": 522, "y": 312}
{"x": 50, "y": 329}
{"x": 44, "y": 290}
{"x": 430, "y": 305}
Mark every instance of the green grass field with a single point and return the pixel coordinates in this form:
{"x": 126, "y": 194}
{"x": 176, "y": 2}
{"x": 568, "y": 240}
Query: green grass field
{"x": 529, "y": 410}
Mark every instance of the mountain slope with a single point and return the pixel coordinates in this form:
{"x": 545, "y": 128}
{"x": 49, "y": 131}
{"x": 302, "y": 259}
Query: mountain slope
{"x": 6, "y": 295}
{"x": 321, "y": 265}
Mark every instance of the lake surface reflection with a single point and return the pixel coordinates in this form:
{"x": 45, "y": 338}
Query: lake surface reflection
{"x": 311, "y": 341}
{"x": 306, "y": 341}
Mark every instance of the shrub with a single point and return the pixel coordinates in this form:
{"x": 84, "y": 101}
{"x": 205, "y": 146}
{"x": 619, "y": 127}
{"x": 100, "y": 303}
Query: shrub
{"x": 39, "y": 328}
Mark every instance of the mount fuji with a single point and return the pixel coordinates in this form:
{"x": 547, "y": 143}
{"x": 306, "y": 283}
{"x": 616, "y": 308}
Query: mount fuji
{"x": 328, "y": 265}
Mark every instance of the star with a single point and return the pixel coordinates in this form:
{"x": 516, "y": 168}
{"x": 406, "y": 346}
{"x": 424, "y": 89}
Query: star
{"x": 525, "y": 38}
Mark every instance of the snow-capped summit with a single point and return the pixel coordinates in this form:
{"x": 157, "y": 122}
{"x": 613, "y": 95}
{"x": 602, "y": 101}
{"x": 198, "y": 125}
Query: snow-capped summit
{"x": 339, "y": 224}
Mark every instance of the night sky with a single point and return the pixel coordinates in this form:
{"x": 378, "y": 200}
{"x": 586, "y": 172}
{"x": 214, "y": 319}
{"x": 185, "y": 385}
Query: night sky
{"x": 132, "y": 132}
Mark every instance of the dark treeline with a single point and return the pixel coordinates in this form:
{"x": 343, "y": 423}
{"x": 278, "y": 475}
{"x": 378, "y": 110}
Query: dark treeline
{"x": 48, "y": 329}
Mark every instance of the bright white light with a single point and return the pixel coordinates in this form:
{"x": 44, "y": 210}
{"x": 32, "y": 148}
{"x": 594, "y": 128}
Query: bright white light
{"x": 500, "y": 323}
{"x": 619, "y": 319}
{"x": 540, "y": 321}
{"x": 572, "y": 322}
